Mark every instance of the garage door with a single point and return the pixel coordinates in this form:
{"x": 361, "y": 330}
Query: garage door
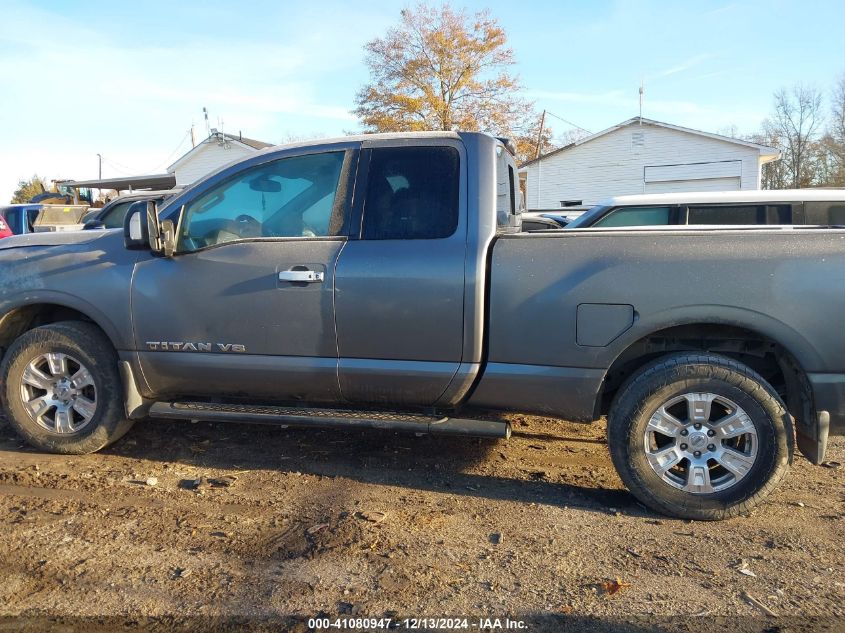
{"x": 708, "y": 184}
{"x": 713, "y": 176}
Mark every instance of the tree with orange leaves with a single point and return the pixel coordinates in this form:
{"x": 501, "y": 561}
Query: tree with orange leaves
{"x": 441, "y": 69}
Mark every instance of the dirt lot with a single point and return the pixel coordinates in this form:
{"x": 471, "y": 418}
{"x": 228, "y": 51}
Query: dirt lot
{"x": 286, "y": 525}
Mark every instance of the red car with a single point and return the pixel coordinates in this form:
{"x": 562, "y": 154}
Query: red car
{"x": 5, "y": 231}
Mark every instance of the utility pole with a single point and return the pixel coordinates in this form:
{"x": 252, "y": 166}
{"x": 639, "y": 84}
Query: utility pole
{"x": 100, "y": 166}
{"x": 540, "y": 135}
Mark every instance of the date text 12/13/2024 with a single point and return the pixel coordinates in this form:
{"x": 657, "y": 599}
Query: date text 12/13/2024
{"x": 426, "y": 624}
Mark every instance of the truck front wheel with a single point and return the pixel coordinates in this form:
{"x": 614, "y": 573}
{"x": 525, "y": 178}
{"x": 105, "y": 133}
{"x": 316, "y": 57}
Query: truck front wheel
{"x": 699, "y": 436}
{"x": 61, "y": 389}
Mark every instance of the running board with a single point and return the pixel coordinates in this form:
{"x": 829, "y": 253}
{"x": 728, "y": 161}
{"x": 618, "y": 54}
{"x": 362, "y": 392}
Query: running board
{"x": 292, "y": 416}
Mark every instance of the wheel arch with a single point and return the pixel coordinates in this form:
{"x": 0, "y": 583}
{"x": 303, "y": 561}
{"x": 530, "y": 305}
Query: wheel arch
{"x": 43, "y": 309}
{"x": 781, "y": 355}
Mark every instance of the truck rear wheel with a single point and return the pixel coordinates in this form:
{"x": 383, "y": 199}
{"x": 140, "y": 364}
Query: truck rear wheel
{"x": 61, "y": 388}
{"x": 699, "y": 436}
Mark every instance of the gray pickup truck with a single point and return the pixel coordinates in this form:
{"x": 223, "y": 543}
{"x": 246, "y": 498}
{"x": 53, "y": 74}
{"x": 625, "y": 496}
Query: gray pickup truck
{"x": 383, "y": 281}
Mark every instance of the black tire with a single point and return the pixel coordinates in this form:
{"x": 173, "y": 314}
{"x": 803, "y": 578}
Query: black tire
{"x": 88, "y": 344}
{"x": 670, "y": 377}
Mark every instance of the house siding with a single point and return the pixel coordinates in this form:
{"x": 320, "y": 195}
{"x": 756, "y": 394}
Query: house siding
{"x": 638, "y": 159}
{"x": 205, "y": 158}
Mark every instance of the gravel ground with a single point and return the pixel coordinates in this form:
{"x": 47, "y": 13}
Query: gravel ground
{"x": 230, "y": 527}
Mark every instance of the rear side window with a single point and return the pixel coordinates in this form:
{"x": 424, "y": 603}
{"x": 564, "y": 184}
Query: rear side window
{"x": 412, "y": 193}
{"x": 837, "y": 214}
{"x": 740, "y": 214}
{"x": 825, "y": 212}
{"x": 636, "y": 216}
{"x": 722, "y": 215}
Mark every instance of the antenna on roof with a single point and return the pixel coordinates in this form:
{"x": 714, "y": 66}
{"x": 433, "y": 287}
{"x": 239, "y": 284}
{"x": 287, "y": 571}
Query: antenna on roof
{"x": 642, "y": 91}
{"x": 207, "y": 130}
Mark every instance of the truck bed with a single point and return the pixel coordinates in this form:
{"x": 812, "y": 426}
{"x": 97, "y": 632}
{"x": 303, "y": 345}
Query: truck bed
{"x": 564, "y": 305}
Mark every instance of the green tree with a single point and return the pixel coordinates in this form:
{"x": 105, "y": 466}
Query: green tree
{"x": 27, "y": 189}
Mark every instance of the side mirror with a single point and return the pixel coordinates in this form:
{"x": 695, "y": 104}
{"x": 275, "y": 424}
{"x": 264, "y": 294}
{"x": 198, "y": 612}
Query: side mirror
{"x": 142, "y": 229}
{"x": 93, "y": 225}
{"x": 153, "y": 226}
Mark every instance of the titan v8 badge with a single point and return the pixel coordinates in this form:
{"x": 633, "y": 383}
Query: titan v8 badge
{"x": 180, "y": 346}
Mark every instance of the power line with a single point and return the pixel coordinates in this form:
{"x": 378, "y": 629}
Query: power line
{"x": 166, "y": 161}
{"x": 575, "y": 125}
{"x": 128, "y": 171}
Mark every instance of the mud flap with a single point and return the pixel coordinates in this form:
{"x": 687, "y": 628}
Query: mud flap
{"x": 812, "y": 438}
{"x": 136, "y": 405}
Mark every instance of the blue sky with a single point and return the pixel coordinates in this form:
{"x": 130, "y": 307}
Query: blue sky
{"x": 128, "y": 79}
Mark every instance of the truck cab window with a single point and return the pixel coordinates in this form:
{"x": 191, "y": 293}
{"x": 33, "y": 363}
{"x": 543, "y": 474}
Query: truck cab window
{"x": 824, "y": 213}
{"x": 115, "y": 217}
{"x": 412, "y": 193}
{"x": 836, "y": 214}
{"x": 720, "y": 214}
{"x": 636, "y": 216}
{"x": 291, "y": 197}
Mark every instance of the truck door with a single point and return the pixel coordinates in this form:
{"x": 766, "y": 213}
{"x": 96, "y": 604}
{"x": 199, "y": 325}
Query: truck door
{"x": 245, "y": 306}
{"x": 399, "y": 298}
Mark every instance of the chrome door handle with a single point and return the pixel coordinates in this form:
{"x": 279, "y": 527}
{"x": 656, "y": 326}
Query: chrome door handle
{"x": 308, "y": 276}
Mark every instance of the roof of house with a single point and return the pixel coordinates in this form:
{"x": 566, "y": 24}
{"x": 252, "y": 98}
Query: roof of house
{"x": 246, "y": 141}
{"x": 222, "y": 137}
{"x": 765, "y": 151}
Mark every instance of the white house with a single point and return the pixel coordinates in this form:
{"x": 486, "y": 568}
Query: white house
{"x": 217, "y": 150}
{"x": 641, "y": 156}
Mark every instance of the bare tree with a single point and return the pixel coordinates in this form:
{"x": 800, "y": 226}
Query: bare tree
{"x": 296, "y": 137}
{"x": 837, "y": 127}
{"x": 731, "y": 131}
{"x": 834, "y": 140}
{"x": 774, "y": 173}
{"x": 532, "y": 142}
{"x": 570, "y": 136}
{"x": 795, "y": 126}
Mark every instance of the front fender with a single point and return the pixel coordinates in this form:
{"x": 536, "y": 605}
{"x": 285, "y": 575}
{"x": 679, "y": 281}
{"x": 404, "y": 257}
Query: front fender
{"x": 91, "y": 276}
{"x": 65, "y": 300}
